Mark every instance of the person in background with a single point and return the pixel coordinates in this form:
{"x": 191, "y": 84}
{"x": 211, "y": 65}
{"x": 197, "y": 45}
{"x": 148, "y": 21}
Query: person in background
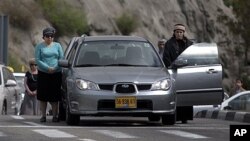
{"x": 161, "y": 45}
{"x": 29, "y": 105}
{"x": 238, "y": 87}
{"x": 49, "y": 79}
{"x": 175, "y": 45}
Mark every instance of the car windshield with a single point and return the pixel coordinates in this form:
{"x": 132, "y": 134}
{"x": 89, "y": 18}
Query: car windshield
{"x": 117, "y": 53}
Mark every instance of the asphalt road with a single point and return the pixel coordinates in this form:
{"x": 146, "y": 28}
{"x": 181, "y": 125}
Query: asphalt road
{"x": 28, "y": 128}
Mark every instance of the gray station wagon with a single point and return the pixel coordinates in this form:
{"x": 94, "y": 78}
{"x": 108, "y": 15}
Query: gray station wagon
{"x": 125, "y": 76}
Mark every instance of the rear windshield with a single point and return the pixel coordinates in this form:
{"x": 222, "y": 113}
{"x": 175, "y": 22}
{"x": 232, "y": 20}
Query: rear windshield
{"x": 117, "y": 53}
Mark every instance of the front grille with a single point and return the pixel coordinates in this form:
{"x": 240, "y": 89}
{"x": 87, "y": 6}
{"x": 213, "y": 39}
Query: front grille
{"x": 108, "y": 87}
{"x": 110, "y": 105}
{"x": 125, "y": 88}
{"x": 143, "y": 87}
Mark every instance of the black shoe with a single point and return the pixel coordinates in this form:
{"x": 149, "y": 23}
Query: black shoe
{"x": 43, "y": 119}
{"x": 55, "y": 119}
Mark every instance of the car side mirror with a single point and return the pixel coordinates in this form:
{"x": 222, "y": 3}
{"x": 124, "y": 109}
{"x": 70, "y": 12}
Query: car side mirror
{"x": 10, "y": 83}
{"x": 179, "y": 63}
{"x": 63, "y": 63}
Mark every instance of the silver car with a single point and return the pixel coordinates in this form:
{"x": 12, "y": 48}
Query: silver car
{"x": 9, "y": 92}
{"x": 118, "y": 76}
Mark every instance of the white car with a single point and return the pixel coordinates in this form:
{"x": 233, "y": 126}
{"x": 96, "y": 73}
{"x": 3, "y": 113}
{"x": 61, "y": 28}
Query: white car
{"x": 9, "y": 92}
{"x": 20, "y": 81}
{"x": 240, "y": 101}
{"x": 198, "y": 108}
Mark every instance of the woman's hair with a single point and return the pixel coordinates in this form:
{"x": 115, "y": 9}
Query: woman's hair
{"x": 32, "y": 61}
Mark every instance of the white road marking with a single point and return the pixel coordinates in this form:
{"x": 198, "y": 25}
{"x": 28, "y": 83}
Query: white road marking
{"x": 2, "y": 134}
{"x": 54, "y": 133}
{"x": 115, "y": 134}
{"x": 17, "y": 117}
{"x": 86, "y": 140}
{"x": 34, "y": 124}
{"x": 184, "y": 134}
{"x": 101, "y": 127}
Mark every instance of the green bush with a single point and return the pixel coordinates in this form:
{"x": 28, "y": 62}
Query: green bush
{"x": 14, "y": 63}
{"x": 126, "y": 24}
{"x": 65, "y": 18}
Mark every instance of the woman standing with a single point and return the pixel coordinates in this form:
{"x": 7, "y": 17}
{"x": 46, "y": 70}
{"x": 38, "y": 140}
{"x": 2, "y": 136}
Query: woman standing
{"x": 49, "y": 78}
{"x": 29, "y": 105}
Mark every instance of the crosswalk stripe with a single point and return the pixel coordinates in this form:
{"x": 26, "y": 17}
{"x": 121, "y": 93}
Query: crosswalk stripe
{"x": 17, "y": 117}
{"x": 184, "y": 134}
{"x": 114, "y": 134}
{"x": 53, "y": 133}
{"x": 33, "y": 123}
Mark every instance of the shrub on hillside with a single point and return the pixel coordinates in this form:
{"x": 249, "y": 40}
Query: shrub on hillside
{"x": 65, "y": 18}
{"x": 126, "y": 24}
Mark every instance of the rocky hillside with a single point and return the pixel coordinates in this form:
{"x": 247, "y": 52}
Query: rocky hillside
{"x": 154, "y": 17}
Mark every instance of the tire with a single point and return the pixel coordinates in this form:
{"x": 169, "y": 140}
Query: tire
{"x": 71, "y": 119}
{"x": 62, "y": 112}
{"x": 4, "y": 108}
{"x": 154, "y": 118}
{"x": 169, "y": 119}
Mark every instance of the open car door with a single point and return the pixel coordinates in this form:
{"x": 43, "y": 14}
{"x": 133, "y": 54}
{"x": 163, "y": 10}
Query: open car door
{"x": 199, "y": 76}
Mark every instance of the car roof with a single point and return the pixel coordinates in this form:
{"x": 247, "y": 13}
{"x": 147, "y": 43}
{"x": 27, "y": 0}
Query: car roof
{"x": 238, "y": 94}
{"x": 113, "y": 37}
{"x": 19, "y": 74}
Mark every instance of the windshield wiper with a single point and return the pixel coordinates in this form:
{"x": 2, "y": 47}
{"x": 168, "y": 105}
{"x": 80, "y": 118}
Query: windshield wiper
{"x": 126, "y": 65}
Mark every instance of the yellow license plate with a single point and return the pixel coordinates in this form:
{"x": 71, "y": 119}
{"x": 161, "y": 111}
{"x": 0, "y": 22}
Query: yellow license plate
{"x": 125, "y": 102}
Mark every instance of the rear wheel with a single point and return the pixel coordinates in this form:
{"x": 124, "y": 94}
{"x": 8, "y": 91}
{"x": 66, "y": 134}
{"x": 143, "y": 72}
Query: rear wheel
{"x": 71, "y": 119}
{"x": 168, "y": 119}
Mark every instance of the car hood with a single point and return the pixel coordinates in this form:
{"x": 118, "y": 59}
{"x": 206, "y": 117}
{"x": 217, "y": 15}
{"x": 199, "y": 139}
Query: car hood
{"x": 122, "y": 74}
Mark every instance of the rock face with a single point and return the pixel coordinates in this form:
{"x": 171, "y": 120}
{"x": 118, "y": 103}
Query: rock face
{"x": 156, "y": 19}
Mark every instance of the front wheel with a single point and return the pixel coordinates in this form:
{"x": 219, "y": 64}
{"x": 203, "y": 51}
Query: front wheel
{"x": 154, "y": 118}
{"x": 169, "y": 119}
{"x": 71, "y": 119}
{"x": 62, "y": 111}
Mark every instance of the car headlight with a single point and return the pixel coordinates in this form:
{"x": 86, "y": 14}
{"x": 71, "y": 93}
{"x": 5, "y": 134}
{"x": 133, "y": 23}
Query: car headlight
{"x": 162, "y": 85}
{"x": 86, "y": 85}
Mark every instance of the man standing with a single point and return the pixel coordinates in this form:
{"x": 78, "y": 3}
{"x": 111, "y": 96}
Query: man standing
{"x": 161, "y": 45}
{"x": 175, "y": 45}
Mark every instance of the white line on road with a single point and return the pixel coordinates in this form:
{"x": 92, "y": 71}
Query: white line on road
{"x": 17, "y": 117}
{"x": 33, "y": 123}
{"x": 53, "y": 133}
{"x": 184, "y": 134}
{"x": 114, "y": 134}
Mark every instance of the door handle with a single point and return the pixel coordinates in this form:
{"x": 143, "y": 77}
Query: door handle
{"x": 210, "y": 71}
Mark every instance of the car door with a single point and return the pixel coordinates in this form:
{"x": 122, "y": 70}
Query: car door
{"x": 10, "y": 91}
{"x": 199, "y": 82}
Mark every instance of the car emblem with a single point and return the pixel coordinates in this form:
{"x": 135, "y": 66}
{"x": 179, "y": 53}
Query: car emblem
{"x": 125, "y": 86}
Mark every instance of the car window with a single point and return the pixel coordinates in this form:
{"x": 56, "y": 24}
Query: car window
{"x": 116, "y": 53}
{"x": 7, "y": 74}
{"x": 199, "y": 55}
{"x": 240, "y": 103}
{"x": 71, "y": 54}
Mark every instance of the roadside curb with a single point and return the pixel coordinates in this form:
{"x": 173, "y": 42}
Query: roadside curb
{"x": 224, "y": 115}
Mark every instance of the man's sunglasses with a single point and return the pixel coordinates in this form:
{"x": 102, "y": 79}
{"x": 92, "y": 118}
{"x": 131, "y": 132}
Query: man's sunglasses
{"x": 47, "y": 36}
{"x": 32, "y": 64}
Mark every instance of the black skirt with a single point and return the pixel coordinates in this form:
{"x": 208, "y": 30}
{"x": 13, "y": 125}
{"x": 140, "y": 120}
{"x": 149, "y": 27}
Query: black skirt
{"x": 49, "y": 86}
